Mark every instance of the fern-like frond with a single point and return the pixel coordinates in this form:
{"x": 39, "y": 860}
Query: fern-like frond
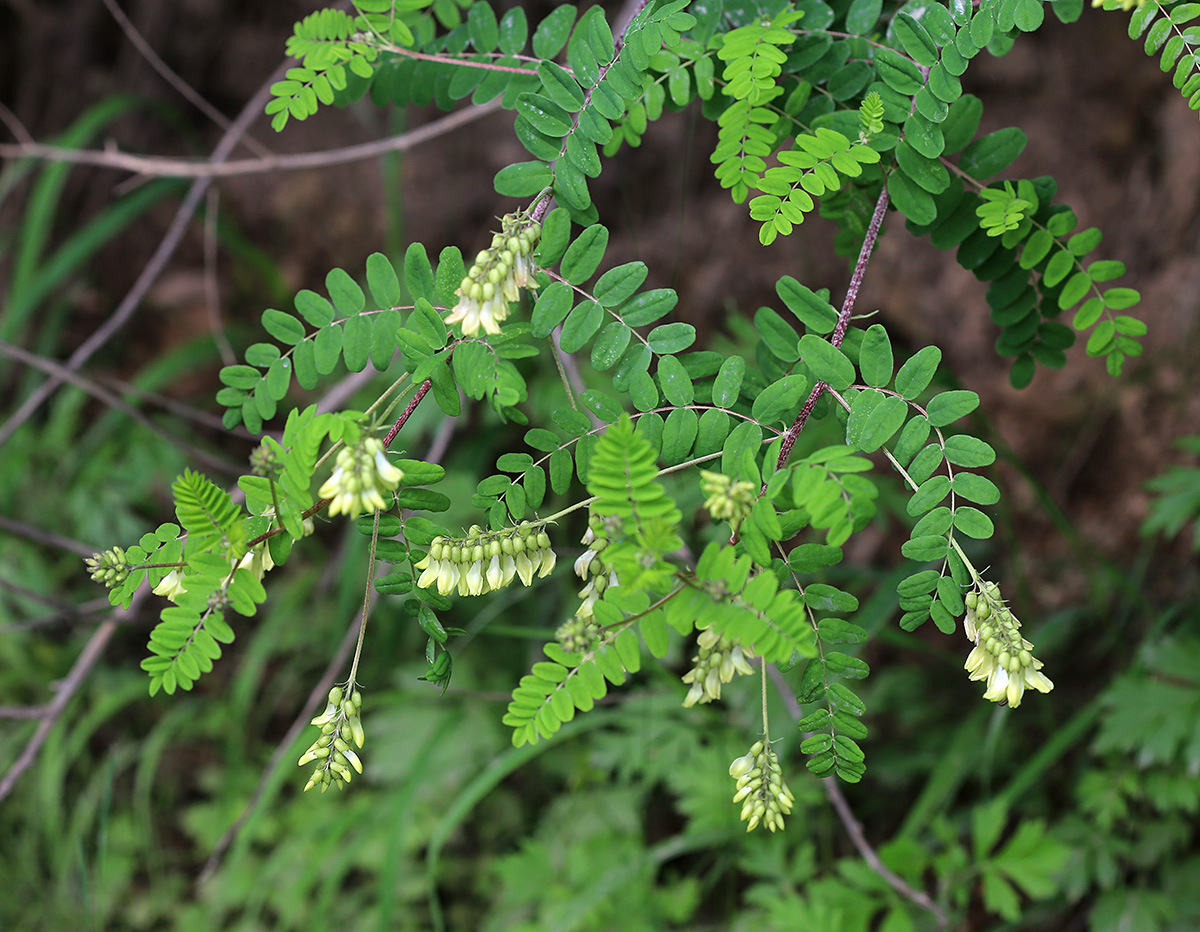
{"x": 623, "y": 475}
{"x": 207, "y": 513}
{"x": 326, "y": 44}
{"x": 184, "y": 644}
{"x": 749, "y": 609}
{"x": 553, "y": 689}
{"x": 1169, "y": 37}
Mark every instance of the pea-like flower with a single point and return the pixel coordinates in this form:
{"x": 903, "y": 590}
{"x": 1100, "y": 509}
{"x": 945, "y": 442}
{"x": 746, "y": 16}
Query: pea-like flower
{"x": 497, "y": 276}
{"x": 481, "y": 563}
{"x": 725, "y": 499}
{"x": 363, "y": 473}
{"x": 1001, "y": 655}
{"x": 718, "y": 661}
{"x": 340, "y": 724}
{"x": 765, "y": 798}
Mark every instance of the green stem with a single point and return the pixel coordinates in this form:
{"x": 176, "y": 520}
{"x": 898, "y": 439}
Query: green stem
{"x": 366, "y": 610}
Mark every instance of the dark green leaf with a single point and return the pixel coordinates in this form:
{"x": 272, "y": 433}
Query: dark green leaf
{"x": 675, "y": 382}
{"x": 728, "y": 383}
{"x": 617, "y": 285}
{"x": 671, "y": 338}
{"x": 780, "y": 401}
{"x": 948, "y": 407}
{"x": 827, "y": 362}
{"x": 552, "y": 307}
{"x": 813, "y": 311}
{"x": 917, "y": 372}
{"x": 523, "y": 179}
{"x": 584, "y": 255}
{"x": 581, "y": 325}
{"x": 993, "y": 153}
{"x": 875, "y": 357}
{"x": 551, "y": 33}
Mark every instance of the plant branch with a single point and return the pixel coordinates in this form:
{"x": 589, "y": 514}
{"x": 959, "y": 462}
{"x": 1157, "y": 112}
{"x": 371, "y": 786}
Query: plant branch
{"x": 626, "y": 17}
{"x": 307, "y": 711}
{"x": 66, "y": 691}
{"x": 387, "y": 442}
{"x": 164, "y": 166}
{"x": 138, "y": 41}
{"x": 852, "y": 826}
{"x": 839, "y": 331}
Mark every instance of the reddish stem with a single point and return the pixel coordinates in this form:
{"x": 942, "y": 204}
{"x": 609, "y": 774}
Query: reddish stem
{"x": 839, "y": 331}
{"x": 387, "y": 442}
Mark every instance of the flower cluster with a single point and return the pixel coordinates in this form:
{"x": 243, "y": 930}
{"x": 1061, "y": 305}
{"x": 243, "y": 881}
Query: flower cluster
{"x": 481, "y": 562}
{"x": 1001, "y": 655}
{"x": 362, "y": 475}
{"x": 340, "y": 723}
{"x": 595, "y": 575}
{"x": 110, "y": 568}
{"x": 581, "y": 632}
{"x": 257, "y": 560}
{"x": 725, "y": 499}
{"x": 1125, "y": 5}
{"x": 497, "y": 276}
{"x": 767, "y": 798}
{"x": 719, "y": 659}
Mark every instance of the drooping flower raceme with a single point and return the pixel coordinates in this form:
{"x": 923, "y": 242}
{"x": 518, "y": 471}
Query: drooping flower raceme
{"x": 581, "y": 632}
{"x": 340, "y": 724}
{"x": 725, "y": 499}
{"x": 717, "y": 662}
{"x": 362, "y": 475}
{"x": 765, "y": 798}
{"x": 497, "y": 276}
{"x": 1001, "y": 655}
{"x": 482, "y": 562}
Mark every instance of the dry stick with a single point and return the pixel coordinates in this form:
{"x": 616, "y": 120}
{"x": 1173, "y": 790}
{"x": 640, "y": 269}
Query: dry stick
{"x": 852, "y": 825}
{"x": 42, "y": 536}
{"x": 320, "y": 691}
{"x": 212, "y": 286}
{"x": 67, "y": 689}
{"x": 839, "y": 331}
{"x": 191, "y": 202}
{"x": 185, "y": 90}
{"x": 158, "y": 261}
{"x": 161, "y": 166}
{"x": 100, "y": 393}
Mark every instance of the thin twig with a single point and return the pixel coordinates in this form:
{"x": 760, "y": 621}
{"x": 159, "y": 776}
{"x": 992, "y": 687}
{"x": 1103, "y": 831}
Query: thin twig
{"x": 851, "y": 824}
{"x": 168, "y": 167}
{"x": 66, "y": 691}
{"x": 29, "y": 532}
{"x": 138, "y": 41}
{"x": 158, "y": 261}
{"x": 212, "y": 285}
{"x": 311, "y": 704}
{"x": 70, "y": 614}
{"x": 57, "y": 370}
{"x": 839, "y": 331}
